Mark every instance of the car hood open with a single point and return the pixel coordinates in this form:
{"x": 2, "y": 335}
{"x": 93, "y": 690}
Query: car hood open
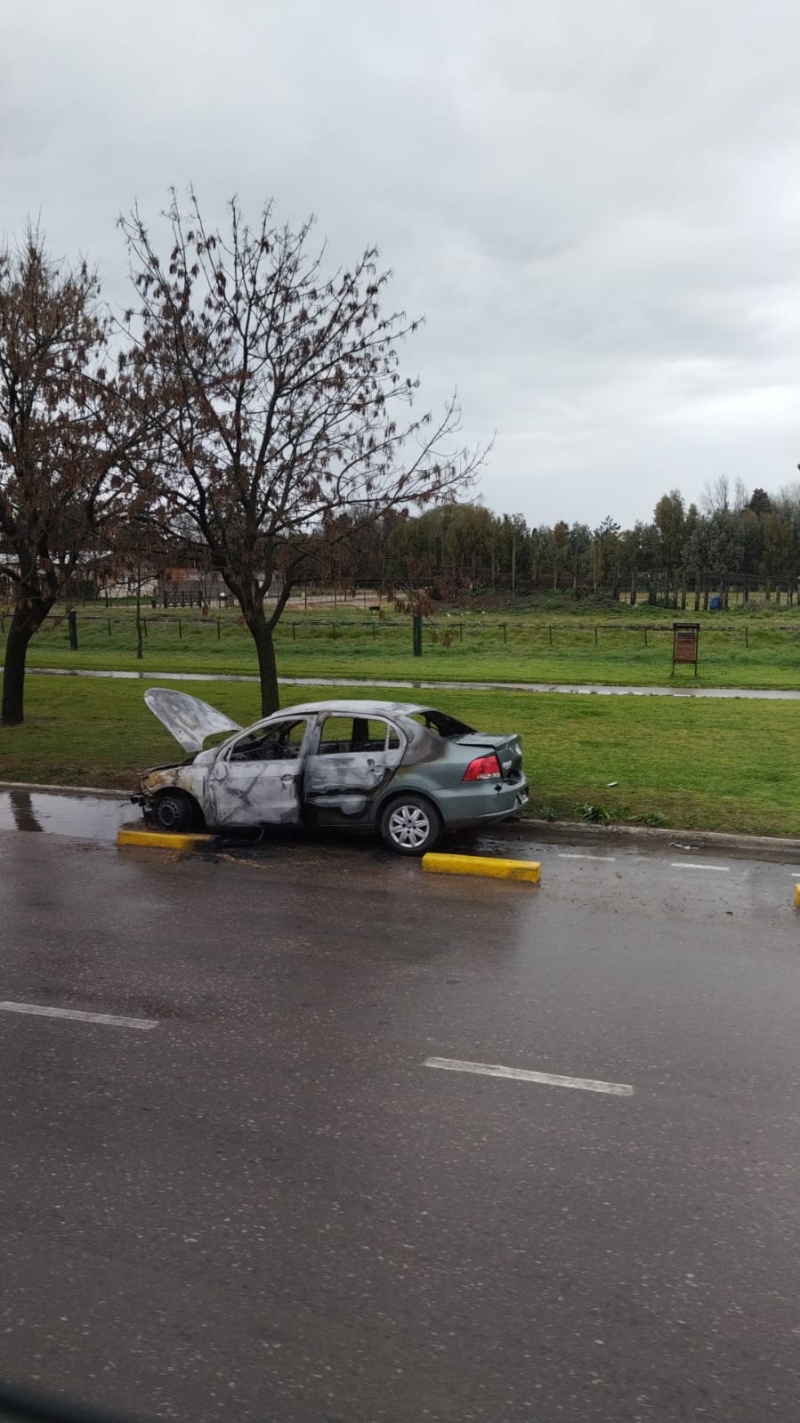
{"x": 188, "y": 719}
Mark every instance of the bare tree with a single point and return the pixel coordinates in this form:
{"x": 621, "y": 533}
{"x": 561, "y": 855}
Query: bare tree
{"x": 716, "y": 496}
{"x": 282, "y": 402}
{"x": 62, "y": 433}
{"x": 741, "y": 495}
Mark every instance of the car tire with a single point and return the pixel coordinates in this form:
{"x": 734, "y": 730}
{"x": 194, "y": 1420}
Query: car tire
{"x": 411, "y": 825}
{"x": 174, "y": 812}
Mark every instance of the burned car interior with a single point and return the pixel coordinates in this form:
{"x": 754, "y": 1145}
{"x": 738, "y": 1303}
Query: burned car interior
{"x": 278, "y": 743}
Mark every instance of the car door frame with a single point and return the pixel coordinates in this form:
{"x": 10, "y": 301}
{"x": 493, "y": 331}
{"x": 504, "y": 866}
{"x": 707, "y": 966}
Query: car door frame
{"x": 338, "y": 804}
{"x": 289, "y": 807}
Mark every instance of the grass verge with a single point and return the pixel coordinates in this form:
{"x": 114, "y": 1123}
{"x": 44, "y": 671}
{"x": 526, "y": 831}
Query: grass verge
{"x": 715, "y": 765}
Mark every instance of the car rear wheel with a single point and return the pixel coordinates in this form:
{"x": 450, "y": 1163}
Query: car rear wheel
{"x": 174, "y": 812}
{"x": 411, "y": 825}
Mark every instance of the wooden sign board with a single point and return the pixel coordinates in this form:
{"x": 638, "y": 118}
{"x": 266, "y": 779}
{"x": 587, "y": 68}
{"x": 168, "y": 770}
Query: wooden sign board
{"x": 685, "y": 644}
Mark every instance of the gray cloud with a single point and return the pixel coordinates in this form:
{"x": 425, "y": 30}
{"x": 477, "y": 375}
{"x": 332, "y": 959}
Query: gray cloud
{"x": 594, "y": 205}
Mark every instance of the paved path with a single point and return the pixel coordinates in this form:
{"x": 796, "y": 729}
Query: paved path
{"x": 582, "y": 688}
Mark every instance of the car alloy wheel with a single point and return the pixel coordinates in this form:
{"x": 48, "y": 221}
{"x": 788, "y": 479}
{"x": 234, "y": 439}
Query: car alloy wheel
{"x": 411, "y": 826}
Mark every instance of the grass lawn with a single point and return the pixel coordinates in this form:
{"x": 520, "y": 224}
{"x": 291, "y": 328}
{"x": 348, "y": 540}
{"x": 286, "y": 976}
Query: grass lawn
{"x": 634, "y": 647}
{"x": 717, "y": 765}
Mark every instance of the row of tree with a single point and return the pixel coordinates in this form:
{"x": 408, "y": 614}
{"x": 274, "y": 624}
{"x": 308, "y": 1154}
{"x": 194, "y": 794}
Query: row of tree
{"x": 735, "y": 539}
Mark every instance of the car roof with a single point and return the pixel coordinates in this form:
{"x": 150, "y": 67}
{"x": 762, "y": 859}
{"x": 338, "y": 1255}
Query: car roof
{"x": 363, "y": 707}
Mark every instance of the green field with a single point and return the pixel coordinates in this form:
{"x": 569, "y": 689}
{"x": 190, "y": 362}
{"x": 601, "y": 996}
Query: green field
{"x": 632, "y": 646}
{"x": 725, "y": 765}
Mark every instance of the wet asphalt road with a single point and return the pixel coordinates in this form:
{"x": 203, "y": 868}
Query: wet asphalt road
{"x": 267, "y": 1207}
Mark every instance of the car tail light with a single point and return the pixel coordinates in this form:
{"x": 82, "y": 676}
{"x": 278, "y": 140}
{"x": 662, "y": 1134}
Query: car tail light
{"x": 486, "y": 768}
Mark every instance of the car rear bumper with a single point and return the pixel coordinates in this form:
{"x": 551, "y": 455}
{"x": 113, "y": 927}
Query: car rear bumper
{"x": 482, "y": 807}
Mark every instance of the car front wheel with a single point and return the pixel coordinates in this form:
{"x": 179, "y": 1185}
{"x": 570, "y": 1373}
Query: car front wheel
{"x": 411, "y": 825}
{"x": 174, "y": 812}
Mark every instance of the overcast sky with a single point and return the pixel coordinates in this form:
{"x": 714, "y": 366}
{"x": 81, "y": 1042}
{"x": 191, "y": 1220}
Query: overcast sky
{"x": 594, "y": 203}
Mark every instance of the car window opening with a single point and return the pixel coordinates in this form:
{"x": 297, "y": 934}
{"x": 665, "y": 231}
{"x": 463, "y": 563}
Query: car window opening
{"x": 348, "y": 736}
{"x": 276, "y": 743}
{"x": 441, "y": 724}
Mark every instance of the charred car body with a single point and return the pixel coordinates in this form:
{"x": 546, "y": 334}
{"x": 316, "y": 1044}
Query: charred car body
{"x": 408, "y": 771}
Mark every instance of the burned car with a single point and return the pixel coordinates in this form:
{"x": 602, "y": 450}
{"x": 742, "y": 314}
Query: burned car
{"x": 407, "y": 771}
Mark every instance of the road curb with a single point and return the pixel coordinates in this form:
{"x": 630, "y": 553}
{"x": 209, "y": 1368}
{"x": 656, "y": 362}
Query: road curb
{"x": 66, "y": 790}
{"x": 781, "y": 847}
{"x": 482, "y": 865}
{"x": 160, "y": 840}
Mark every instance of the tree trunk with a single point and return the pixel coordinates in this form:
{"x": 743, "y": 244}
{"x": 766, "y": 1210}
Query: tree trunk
{"x": 267, "y": 665}
{"x": 19, "y": 635}
{"x": 139, "y": 649}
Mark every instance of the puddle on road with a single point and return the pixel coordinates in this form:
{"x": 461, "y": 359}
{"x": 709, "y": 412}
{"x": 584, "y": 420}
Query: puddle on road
{"x": 90, "y": 817}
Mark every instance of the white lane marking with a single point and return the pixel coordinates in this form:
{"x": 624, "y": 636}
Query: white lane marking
{"x": 565, "y": 856}
{"x": 109, "y": 1019}
{"x": 684, "y": 865}
{"x": 520, "y": 1074}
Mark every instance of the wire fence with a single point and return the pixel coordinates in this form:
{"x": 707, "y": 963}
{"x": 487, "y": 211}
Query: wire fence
{"x": 93, "y": 628}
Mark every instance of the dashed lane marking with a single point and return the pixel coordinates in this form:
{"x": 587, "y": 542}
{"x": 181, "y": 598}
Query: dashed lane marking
{"x": 562, "y": 855}
{"x": 685, "y": 865}
{"x": 110, "y": 1020}
{"x": 519, "y": 1074}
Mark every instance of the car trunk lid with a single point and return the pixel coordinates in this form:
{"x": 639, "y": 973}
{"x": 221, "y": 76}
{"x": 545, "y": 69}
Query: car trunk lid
{"x": 507, "y": 749}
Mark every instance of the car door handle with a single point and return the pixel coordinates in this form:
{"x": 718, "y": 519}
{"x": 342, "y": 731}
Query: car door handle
{"x": 287, "y": 779}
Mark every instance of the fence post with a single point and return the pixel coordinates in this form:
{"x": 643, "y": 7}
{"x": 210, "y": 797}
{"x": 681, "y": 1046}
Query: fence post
{"x": 746, "y": 636}
{"x": 416, "y": 634}
{"x": 294, "y": 632}
{"x": 595, "y": 635}
{"x": 505, "y": 633}
{"x": 219, "y": 629}
{"x": 180, "y": 628}
{"x": 72, "y": 624}
{"x": 550, "y": 630}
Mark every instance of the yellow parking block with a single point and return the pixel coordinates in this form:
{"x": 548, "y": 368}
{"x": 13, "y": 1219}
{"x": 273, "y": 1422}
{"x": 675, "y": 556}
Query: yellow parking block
{"x": 530, "y": 870}
{"x": 159, "y": 839}
{"x": 797, "y": 896}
